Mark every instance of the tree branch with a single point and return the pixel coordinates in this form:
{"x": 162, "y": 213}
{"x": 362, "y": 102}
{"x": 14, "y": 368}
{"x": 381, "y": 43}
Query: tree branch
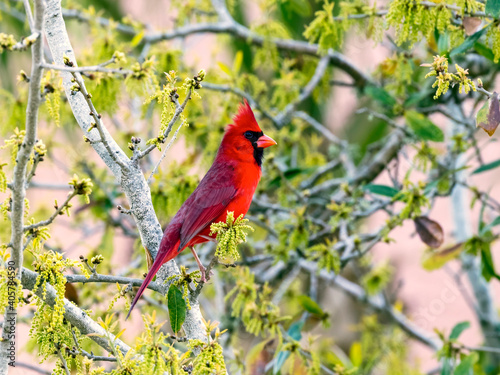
{"x": 377, "y": 302}
{"x": 227, "y": 25}
{"x": 111, "y": 279}
{"x": 284, "y": 116}
{"x": 371, "y": 168}
{"x": 49, "y": 221}
{"x": 320, "y": 128}
{"x": 105, "y": 137}
{"x": 242, "y": 32}
{"x": 485, "y": 311}
{"x": 19, "y": 174}
{"x": 170, "y": 143}
{"x": 86, "y": 69}
{"x": 77, "y": 317}
{"x": 179, "y": 108}
{"x": 131, "y": 179}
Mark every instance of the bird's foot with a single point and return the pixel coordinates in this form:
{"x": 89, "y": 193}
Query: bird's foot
{"x": 203, "y": 272}
{"x": 204, "y": 277}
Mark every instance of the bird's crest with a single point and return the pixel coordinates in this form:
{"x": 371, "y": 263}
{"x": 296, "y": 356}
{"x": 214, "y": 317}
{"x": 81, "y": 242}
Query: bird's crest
{"x": 245, "y": 119}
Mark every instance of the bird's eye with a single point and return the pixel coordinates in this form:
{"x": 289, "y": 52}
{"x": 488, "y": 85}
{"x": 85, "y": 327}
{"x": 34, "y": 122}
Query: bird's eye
{"x": 248, "y": 135}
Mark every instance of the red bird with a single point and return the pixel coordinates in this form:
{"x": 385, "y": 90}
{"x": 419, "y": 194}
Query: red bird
{"x": 229, "y": 185}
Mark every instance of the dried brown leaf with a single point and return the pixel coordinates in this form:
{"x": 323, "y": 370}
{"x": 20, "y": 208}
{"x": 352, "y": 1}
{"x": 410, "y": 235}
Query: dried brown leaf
{"x": 488, "y": 117}
{"x": 471, "y": 24}
{"x": 71, "y": 293}
{"x": 429, "y": 231}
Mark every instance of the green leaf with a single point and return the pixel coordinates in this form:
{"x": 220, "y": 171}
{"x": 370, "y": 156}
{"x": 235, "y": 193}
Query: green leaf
{"x": 295, "y": 333}
{"x": 225, "y": 68}
{"x": 295, "y": 330}
{"x": 137, "y": 39}
{"x": 423, "y": 127}
{"x": 176, "y": 308}
{"x": 466, "y": 364}
{"x": 238, "y": 60}
{"x": 419, "y": 97}
{"x": 468, "y": 43}
{"x": 487, "y": 264}
{"x": 443, "y": 43}
{"x": 384, "y": 190}
{"x": 493, "y": 8}
{"x": 431, "y": 186}
{"x": 432, "y": 260}
{"x": 490, "y": 225}
{"x": 309, "y": 305}
{"x": 301, "y": 7}
{"x": 446, "y": 368}
{"x": 484, "y": 51}
{"x": 380, "y": 95}
{"x": 487, "y": 167}
{"x": 356, "y": 354}
{"x": 458, "y": 329}
{"x": 280, "y": 361}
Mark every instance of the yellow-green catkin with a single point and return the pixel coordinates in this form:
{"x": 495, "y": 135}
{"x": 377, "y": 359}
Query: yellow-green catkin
{"x": 229, "y": 235}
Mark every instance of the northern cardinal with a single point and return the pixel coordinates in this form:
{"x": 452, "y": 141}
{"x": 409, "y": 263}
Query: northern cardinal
{"x": 229, "y": 185}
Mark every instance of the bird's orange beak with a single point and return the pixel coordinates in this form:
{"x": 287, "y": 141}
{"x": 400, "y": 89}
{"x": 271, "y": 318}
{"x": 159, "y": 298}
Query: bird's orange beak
{"x": 265, "y": 141}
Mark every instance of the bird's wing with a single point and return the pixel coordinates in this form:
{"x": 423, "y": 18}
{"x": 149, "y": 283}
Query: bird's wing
{"x": 211, "y": 198}
{"x": 207, "y": 202}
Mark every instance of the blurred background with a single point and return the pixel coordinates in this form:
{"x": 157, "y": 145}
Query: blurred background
{"x": 310, "y": 197}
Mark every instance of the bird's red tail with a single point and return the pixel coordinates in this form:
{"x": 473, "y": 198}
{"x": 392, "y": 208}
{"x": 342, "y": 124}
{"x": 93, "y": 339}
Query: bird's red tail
{"x": 163, "y": 256}
{"x": 152, "y": 272}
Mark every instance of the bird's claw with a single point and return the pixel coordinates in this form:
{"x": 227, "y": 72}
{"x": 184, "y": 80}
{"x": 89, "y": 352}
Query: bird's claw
{"x": 204, "y": 277}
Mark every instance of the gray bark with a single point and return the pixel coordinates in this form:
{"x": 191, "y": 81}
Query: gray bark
{"x": 19, "y": 181}
{"x": 130, "y": 178}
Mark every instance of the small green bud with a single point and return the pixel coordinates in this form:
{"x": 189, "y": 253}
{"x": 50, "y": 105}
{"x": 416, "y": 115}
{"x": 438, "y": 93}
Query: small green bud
{"x": 6, "y": 42}
{"x": 22, "y": 77}
{"x": 67, "y": 61}
{"x": 119, "y": 57}
{"x": 98, "y": 259}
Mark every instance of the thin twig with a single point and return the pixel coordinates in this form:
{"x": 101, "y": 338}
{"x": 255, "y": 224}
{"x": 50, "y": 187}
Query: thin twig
{"x": 284, "y": 116}
{"x": 201, "y": 284}
{"x": 36, "y": 161}
{"x": 111, "y": 279}
{"x": 80, "y": 351}
{"x": 376, "y": 302}
{"x": 170, "y": 143}
{"x": 253, "y": 103}
{"x": 320, "y": 172}
{"x": 86, "y": 69}
{"x": 33, "y": 367}
{"x": 57, "y": 212}
{"x": 98, "y": 123}
{"x": 63, "y": 361}
{"x": 179, "y": 108}
{"x": 319, "y": 127}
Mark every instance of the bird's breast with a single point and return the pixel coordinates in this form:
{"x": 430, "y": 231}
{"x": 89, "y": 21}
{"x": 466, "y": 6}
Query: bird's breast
{"x": 246, "y": 181}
